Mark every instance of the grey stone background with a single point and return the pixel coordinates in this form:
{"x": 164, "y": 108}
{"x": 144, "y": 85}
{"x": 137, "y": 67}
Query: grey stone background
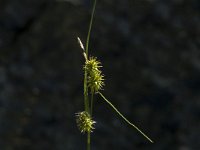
{"x": 150, "y": 50}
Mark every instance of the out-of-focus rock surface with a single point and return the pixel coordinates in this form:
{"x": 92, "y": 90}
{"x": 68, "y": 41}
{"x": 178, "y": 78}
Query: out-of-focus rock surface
{"x": 150, "y": 50}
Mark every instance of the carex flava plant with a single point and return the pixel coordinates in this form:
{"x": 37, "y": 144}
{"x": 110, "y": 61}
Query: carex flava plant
{"x": 93, "y": 85}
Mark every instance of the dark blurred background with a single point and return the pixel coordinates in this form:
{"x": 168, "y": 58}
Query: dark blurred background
{"x": 150, "y": 50}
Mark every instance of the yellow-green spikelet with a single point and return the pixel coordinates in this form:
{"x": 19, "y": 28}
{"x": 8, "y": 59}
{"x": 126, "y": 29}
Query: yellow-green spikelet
{"x": 95, "y": 77}
{"x": 84, "y": 122}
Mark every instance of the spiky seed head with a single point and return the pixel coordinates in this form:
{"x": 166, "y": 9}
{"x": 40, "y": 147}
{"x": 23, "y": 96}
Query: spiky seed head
{"x": 96, "y": 82}
{"x": 95, "y": 76}
{"x": 84, "y": 122}
{"x": 92, "y": 64}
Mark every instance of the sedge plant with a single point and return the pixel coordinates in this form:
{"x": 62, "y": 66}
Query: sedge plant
{"x": 93, "y": 84}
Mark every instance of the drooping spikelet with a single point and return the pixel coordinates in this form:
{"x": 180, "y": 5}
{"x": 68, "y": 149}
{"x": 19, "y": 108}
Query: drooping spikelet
{"x": 84, "y": 122}
{"x": 95, "y": 79}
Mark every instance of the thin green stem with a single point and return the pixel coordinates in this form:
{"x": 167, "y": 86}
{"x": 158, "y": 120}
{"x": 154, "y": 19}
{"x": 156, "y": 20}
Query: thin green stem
{"x": 125, "y": 117}
{"x": 86, "y": 98}
{"x": 88, "y": 141}
{"x": 91, "y": 103}
{"x": 90, "y": 27}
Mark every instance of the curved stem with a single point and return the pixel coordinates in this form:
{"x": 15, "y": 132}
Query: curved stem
{"x": 125, "y": 117}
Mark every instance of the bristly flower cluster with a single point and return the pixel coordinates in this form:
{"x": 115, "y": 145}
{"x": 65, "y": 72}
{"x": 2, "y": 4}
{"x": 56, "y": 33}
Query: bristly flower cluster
{"x": 93, "y": 83}
{"x": 84, "y": 122}
{"x": 95, "y": 77}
